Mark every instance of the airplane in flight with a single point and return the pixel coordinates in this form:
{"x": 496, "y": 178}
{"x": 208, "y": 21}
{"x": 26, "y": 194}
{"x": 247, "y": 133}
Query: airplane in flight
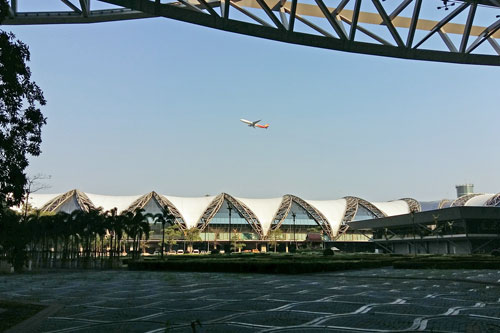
{"x": 254, "y": 123}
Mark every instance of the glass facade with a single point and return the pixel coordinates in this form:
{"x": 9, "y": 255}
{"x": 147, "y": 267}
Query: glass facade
{"x": 363, "y": 214}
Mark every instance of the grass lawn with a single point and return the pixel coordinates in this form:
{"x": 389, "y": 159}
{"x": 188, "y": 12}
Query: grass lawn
{"x": 16, "y": 312}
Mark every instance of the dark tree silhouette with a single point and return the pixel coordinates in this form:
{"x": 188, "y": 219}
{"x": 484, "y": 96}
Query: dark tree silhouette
{"x": 21, "y": 119}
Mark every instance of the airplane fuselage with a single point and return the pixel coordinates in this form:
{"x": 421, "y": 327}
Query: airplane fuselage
{"x": 254, "y": 124}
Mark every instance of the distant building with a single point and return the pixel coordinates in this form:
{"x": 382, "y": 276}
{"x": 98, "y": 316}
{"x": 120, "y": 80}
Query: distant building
{"x": 454, "y": 230}
{"x": 464, "y": 189}
{"x": 250, "y": 221}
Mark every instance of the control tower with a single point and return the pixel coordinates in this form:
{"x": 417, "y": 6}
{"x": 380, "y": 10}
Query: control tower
{"x": 464, "y": 189}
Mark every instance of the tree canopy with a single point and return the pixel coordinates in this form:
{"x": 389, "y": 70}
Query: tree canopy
{"x": 21, "y": 119}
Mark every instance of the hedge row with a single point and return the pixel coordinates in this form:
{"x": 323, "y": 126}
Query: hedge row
{"x": 277, "y": 267}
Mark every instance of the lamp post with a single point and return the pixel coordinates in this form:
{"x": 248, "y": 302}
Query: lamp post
{"x": 294, "y": 239}
{"x": 412, "y": 214}
{"x": 230, "y": 209}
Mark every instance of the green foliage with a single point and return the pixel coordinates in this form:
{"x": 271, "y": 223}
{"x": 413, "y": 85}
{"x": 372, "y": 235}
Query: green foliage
{"x": 172, "y": 234}
{"x": 192, "y": 234}
{"x": 328, "y": 252}
{"x": 255, "y": 264}
{"x": 4, "y": 10}
{"x": 14, "y": 237}
{"x": 21, "y": 119}
{"x": 236, "y": 245}
{"x": 275, "y": 236}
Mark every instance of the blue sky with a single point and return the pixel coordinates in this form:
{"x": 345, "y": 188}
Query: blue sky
{"x": 155, "y": 104}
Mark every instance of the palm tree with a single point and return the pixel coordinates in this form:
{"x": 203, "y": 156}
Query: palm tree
{"x": 137, "y": 225}
{"x": 164, "y": 217}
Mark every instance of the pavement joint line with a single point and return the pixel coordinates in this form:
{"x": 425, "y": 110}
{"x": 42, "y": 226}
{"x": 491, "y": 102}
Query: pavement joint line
{"x": 481, "y": 316}
{"x": 91, "y": 321}
{"x": 148, "y": 316}
{"x": 69, "y": 329}
{"x": 223, "y": 319}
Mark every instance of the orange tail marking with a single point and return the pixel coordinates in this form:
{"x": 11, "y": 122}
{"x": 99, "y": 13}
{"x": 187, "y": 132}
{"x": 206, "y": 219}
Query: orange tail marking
{"x": 263, "y": 126}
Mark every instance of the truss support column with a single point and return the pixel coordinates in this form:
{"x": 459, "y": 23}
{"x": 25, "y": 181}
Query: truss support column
{"x": 413, "y": 23}
{"x": 85, "y": 4}
{"x": 388, "y": 23}
{"x": 495, "y": 45}
{"x": 354, "y": 21}
{"x": 468, "y": 26}
{"x": 293, "y": 12}
{"x": 225, "y": 8}
{"x": 331, "y": 19}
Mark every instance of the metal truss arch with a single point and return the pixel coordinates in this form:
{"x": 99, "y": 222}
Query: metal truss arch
{"x": 366, "y": 204}
{"x": 494, "y": 201}
{"x": 314, "y": 213}
{"x": 443, "y": 203}
{"x": 463, "y": 199}
{"x": 350, "y": 210}
{"x": 400, "y": 39}
{"x": 245, "y": 213}
{"x": 81, "y": 198}
{"x": 413, "y": 205}
{"x": 282, "y": 212}
{"x": 161, "y": 201}
{"x": 209, "y": 213}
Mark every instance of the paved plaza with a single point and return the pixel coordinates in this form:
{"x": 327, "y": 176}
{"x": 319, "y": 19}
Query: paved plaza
{"x": 375, "y": 300}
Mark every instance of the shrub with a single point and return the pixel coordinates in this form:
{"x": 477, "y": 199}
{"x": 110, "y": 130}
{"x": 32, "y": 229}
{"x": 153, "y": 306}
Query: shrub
{"x": 328, "y": 252}
{"x": 215, "y": 251}
{"x": 495, "y": 253}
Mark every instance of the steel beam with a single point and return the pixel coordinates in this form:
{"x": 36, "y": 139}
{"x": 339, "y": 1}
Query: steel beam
{"x": 293, "y": 12}
{"x": 270, "y": 14}
{"x": 443, "y": 22}
{"x": 468, "y": 26}
{"x": 388, "y": 23}
{"x": 354, "y": 21}
{"x": 331, "y": 19}
{"x": 486, "y": 34}
{"x": 184, "y": 10}
{"x": 413, "y": 24}
{"x": 72, "y": 6}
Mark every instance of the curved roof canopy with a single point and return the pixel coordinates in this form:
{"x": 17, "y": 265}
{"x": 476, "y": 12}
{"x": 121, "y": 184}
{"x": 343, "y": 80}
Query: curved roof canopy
{"x": 191, "y": 209}
{"x": 261, "y": 214}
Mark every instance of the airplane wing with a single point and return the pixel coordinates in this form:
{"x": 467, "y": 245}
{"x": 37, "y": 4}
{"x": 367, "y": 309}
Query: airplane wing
{"x": 255, "y": 122}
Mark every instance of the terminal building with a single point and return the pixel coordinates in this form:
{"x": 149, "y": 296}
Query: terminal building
{"x": 349, "y": 223}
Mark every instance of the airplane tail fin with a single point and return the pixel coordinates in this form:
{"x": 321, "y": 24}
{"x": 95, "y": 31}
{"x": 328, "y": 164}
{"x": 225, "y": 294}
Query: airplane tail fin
{"x": 263, "y": 126}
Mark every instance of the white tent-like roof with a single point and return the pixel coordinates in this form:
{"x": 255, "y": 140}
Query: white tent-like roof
{"x": 333, "y": 210}
{"x": 264, "y": 210}
{"x": 191, "y": 209}
{"x": 37, "y": 200}
{"x": 391, "y": 208}
{"x": 108, "y": 202}
{"x": 479, "y": 200}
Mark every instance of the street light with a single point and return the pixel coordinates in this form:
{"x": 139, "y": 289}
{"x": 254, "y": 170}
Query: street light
{"x": 294, "y": 239}
{"x": 412, "y": 214}
{"x": 230, "y": 209}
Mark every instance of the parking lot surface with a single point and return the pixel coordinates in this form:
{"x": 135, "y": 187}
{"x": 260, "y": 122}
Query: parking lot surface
{"x": 375, "y": 300}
